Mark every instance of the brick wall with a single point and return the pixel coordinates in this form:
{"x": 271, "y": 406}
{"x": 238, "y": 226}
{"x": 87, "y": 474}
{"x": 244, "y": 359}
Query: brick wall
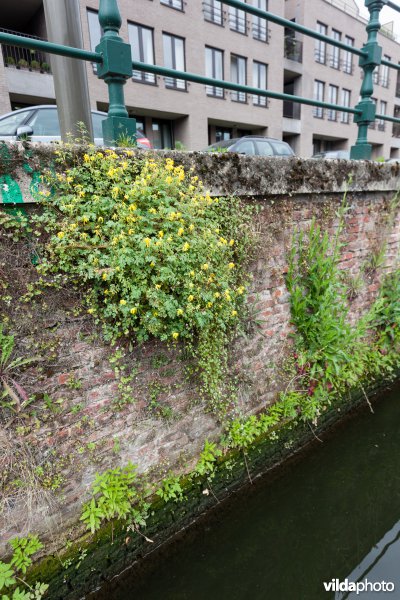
{"x": 81, "y": 432}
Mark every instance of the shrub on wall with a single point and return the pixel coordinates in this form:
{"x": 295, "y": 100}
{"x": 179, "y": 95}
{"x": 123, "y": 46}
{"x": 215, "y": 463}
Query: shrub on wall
{"x": 159, "y": 256}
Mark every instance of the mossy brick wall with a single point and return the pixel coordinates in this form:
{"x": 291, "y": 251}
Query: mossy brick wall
{"x": 80, "y": 431}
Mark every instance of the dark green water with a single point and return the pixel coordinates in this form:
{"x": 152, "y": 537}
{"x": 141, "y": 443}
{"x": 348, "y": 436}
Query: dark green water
{"x": 333, "y": 514}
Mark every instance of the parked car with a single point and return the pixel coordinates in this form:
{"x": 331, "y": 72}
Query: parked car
{"x": 345, "y": 154}
{"x": 41, "y": 124}
{"x": 254, "y": 145}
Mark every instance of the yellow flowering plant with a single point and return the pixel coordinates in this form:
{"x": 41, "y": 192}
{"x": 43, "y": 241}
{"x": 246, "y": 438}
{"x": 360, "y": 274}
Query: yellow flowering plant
{"x": 144, "y": 236}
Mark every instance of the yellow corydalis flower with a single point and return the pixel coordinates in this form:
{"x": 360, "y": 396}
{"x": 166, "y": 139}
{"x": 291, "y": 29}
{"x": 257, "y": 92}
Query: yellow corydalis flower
{"x": 185, "y": 247}
{"x": 60, "y": 235}
{"x": 122, "y": 302}
{"x": 191, "y": 298}
{"x": 179, "y": 312}
{"x": 181, "y": 231}
{"x": 175, "y": 335}
{"x": 231, "y": 265}
{"x": 168, "y": 180}
{"x": 147, "y": 241}
{"x": 133, "y": 311}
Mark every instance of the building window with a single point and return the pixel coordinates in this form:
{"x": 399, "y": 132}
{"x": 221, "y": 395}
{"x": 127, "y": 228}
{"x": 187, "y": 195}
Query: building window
{"x": 333, "y": 99}
{"x": 385, "y": 72}
{"x": 213, "y": 11}
{"x": 375, "y": 75}
{"x": 162, "y": 134}
{"x": 178, "y": 4}
{"x": 319, "y": 93}
{"x": 94, "y": 32}
{"x": 174, "y": 58}
{"x": 345, "y": 116}
{"x": 348, "y": 56}
{"x": 335, "y": 58}
{"x": 372, "y": 125}
{"x": 260, "y": 25}
{"x": 238, "y": 75}
{"x": 214, "y": 69}
{"x": 320, "y": 46}
{"x": 260, "y": 81}
{"x": 141, "y": 41}
{"x": 383, "y": 108}
{"x": 237, "y": 20}
{"x": 222, "y": 134}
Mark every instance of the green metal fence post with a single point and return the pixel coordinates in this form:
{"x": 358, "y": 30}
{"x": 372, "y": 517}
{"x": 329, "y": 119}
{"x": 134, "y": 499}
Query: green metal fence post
{"x": 373, "y": 55}
{"x": 115, "y": 70}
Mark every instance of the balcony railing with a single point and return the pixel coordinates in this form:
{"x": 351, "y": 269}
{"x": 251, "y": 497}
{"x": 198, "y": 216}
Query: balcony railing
{"x": 293, "y": 49}
{"x": 23, "y": 58}
{"x": 213, "y": 12}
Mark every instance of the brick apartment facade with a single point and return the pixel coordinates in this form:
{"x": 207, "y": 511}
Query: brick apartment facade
{"x": 208, "y": 37}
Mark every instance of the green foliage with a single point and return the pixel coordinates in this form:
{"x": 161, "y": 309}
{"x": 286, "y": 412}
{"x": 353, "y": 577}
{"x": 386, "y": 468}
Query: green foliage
{"x": 13, "y": 397}
{"x": 113, "y": 495}
{"x": 23, "y": 549}
{"x": 207, "y": 459}
{"x": 171, "y": 489}
{"x": 160, "y": 256}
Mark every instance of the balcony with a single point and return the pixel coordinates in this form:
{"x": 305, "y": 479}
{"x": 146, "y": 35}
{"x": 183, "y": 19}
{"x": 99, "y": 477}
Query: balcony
{"x": 293, "y": 49}
{"x": 22, "y": 58}
{"x": 396, "y": 130}
{"x": 291, "y": 110}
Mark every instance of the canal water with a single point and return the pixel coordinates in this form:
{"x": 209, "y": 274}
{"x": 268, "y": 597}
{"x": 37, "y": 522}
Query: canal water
{"x": 333, "y": 515}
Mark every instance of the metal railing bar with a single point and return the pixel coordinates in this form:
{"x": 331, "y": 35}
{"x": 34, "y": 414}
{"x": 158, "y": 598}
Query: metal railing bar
{"x": 390, "y": 64}
{"x": 387, "y": 118}
{"x": 393, "y": 5}
{"x": 258, "y": 12}
{"x": 69, "y": 51}
{"x": 229, "y": 85}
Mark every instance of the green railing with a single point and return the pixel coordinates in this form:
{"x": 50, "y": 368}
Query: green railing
{"x": 115, "y": 66}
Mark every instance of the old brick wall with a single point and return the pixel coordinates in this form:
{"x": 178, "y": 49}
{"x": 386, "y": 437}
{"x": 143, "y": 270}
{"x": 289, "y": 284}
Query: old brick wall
{"x": 78, "y": 429}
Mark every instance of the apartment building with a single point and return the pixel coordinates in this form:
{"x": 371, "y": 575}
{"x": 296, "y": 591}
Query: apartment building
{"x": 208, "y": 37}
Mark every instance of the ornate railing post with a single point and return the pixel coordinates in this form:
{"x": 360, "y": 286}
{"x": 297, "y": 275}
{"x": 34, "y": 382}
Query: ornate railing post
{"x": 115, "y": 70}
{"x": 368, "y": 62}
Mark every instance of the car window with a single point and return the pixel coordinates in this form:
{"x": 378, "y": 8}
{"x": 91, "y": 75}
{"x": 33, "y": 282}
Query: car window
{"x": 264, "y": 148}
{"x": 45, "y": 122}
{"x": 246, "y": 147}
{"x": 9, "y": 125}
{"x": 97, "y": 125}
{"x": 282, "y": 149}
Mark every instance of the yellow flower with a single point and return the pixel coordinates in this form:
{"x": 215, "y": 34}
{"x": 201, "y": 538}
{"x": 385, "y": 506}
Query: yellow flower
{"x": 191, "y": 273}
{"x": 191, "y": 227}
{"x": 169, "y": 164}
{"x": 152, "y": 210}
{"x": 185, "y": 247}
{"x": 85, "y": 219}
{"x": 234, "y": 313}
{"x": 169, "y": 180}
{"x": 231, "y": 265}
{"x": 123, "y": 302}
{"x": 175, "y": 335}
{"x": 160, "y": 234}
{"x": 100, "y": 219}
{"x": 133, "y": 311}
{"x": 152, "y": 264}
{"x": 158, "y": 286}
{"x": 217, "y": 294}
{"x": 86, "y": 157}
{"x": 104, "y": 276}
{"x": 209, "y": 304}
{"x": 204, "y": 267}
{"x": 191, "y": 298}
{"x": 181, "y": 231}
{"x": 240, "y": 290}
{"x": 60, "y": 235}
{"x": 90, "y": 311}
{"x": 179, "y": 312}
{"x": 133, "y": 207}
{"x": 231, "y": 242}
{"x": 147, "y": 241}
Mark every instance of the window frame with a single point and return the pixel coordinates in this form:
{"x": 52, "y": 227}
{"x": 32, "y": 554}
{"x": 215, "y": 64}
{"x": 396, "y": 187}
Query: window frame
{"x": 174, "y": 83}
{"x": 143, "y": 76}
{"x": 236, "y": 96}
{"x": 211, "y": 90}
{"x": 260, "y": 100}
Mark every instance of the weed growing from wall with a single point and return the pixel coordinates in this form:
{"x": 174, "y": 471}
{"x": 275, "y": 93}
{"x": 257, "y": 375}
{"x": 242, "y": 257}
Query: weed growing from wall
{"x": 159, "y": 256}
{"x": 11, "y": 572}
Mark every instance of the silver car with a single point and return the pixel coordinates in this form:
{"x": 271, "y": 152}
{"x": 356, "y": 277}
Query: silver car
{"x": 41, "y": 124}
